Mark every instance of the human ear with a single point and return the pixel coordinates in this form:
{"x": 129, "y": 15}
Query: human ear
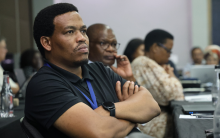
{"x": 154, "y": 48}
{"x": 46, "y": 43}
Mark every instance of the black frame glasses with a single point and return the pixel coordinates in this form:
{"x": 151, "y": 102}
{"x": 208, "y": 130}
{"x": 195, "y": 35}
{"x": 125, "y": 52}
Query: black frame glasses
{"x": 168, "y": 50}
{"x": 105, "y": 45}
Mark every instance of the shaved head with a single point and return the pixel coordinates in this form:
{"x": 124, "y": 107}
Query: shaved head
{"x": 101, "y": 33}
{"x": 93, "y": 31}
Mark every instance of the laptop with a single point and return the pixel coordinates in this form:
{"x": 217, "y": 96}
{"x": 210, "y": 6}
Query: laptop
{"x": 198, "y": 109}
{"x": 205, "y": 73}
{"x": 20, "y": 76}
{"x": 19, "y": 73}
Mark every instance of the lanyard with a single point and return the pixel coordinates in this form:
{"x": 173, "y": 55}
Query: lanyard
{"x": 93, "y": 103}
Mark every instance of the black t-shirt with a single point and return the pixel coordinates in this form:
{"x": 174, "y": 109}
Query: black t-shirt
{"x": 52, "y": 91}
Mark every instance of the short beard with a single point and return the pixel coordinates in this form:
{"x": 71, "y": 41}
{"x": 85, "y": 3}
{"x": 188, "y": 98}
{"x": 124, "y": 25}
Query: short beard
{"x": 80, "y": 63}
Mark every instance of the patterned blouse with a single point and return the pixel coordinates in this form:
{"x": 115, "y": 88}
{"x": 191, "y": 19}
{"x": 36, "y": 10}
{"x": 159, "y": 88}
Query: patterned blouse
{"x": 163, "y": 88}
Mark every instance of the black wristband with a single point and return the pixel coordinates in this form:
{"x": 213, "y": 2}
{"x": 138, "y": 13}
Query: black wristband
{"x": 112, "y": 113}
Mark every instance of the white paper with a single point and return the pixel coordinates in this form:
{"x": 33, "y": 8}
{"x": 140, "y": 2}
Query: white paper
{"x": 199, "y": 98}
{"x": 193, "y": 89}
{"x": 190, "y": 117}
{"x": 187, "y": 117}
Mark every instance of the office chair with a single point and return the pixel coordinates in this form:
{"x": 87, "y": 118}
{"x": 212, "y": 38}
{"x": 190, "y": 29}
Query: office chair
{"x": 29, "y": 130}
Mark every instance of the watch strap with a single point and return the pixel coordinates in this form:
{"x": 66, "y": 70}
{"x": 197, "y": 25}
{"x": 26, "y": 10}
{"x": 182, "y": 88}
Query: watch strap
{"x": 112, "y": 112}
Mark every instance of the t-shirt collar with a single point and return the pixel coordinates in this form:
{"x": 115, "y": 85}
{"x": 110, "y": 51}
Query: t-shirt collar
{"x": 70, "y": 76}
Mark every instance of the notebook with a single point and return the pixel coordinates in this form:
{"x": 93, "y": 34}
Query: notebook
{"x": 198, "y": 109}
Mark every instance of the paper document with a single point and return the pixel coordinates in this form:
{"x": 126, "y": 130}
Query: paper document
{"x": 187, "y": 117}
{"x": 193, "y": 89}
{"x": 191, "y": 117}
{"x": 199, "y": 98}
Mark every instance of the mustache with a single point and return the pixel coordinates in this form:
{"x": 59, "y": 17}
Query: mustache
{"x": 80, "y": 43}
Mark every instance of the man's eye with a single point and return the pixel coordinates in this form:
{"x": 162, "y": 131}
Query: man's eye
{"x": 114, "y": 44}
{"x": 102, "y": 43}
{"x": 84, "y": 31}
{"x": 69, "y": 32}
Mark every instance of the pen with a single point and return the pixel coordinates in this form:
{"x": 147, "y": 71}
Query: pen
{"x": 204, "y": 117}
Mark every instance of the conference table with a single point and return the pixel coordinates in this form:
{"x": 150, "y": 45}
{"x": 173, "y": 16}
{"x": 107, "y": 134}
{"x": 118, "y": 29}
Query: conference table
{"x": 189, "y": 128}
{"x": 183, "y": 128}
{"x": 10, "y": 127}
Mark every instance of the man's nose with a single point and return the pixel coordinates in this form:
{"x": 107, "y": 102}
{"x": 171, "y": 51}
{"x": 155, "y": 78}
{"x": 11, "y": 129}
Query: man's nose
{"x": 80, "y": 37}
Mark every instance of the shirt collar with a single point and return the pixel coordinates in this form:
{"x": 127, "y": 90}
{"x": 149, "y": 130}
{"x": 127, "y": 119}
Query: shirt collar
{"x": 90, "y": 62}
{"x": 70, "y": 76}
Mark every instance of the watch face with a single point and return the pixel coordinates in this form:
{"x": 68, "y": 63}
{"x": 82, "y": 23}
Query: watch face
{"x": 108, "y": 104}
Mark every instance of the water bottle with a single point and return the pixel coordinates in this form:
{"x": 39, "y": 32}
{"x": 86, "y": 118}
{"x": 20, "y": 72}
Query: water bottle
{"x": 11, "y": 97}
{"x": 216, "y": 88}
{"x": 216, "y": 120}
{"x": 4, "y": 96}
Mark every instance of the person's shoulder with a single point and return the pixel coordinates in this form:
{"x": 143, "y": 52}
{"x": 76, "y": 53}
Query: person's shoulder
{"x": 139, "y": 60}
{"x": 44, "y": 80}
{"x": 96, "y": 66}
{"x": 45, "y": 73}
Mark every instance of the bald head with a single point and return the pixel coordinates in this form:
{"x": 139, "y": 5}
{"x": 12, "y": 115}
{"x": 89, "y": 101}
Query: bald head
{"x": 94, "y": 30}
{"x": 101, "y": 34}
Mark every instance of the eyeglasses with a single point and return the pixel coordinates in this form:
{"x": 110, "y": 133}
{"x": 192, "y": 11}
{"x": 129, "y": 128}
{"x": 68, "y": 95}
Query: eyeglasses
{"x": 168, "y": 50}
{"x": 105, "y": 45}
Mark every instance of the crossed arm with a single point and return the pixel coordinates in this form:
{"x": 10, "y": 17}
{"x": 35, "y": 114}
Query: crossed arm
{"x": 136, "y": 106}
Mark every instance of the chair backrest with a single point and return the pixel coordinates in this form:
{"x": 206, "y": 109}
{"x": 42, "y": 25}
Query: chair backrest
{"x": 29, "y": 130}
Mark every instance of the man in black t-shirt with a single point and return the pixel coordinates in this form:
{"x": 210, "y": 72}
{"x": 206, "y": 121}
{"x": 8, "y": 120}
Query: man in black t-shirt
{"x": 70, "y": 98}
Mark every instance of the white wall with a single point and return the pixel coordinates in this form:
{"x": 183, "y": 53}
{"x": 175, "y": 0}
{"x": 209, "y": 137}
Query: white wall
{"x": 130, "y": 19}
{"x": 38, "y": 5}
{"x": 200, "y": 23}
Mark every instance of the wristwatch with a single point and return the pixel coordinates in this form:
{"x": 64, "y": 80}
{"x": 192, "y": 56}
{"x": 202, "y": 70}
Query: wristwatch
{"x": 109, "y": 106}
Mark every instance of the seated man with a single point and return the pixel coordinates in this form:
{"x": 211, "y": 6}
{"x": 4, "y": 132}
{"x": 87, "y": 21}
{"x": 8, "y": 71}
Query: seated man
{"x": 70, "y": 98}
{"x": 103, "y": 48}
{"x": 197, "y": 58}
{"x": 152, "y": 72}
{"x": 197, "y": 55}
{"x": 3, "y": 51}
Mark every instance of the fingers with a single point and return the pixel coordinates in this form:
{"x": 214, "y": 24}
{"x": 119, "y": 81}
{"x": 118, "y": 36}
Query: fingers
{"x": 128, "y": 90}
{"x": 115, "y": 54}
{"x": 171, "y": 68}
{"x": 121, "y": 58}
{"x": 164, "y": 66}
{"x": 131, "y": 88}
{"x": 124, "y": 58}
{"x": 125, "y": 90}
{"x": 135, "y": 89}
{"x": 118, "y": 90}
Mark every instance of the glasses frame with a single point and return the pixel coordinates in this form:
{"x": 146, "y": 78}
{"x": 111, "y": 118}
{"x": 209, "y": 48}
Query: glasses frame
{"x": 168, "y": 50}
{"x": 107, "y": 45}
